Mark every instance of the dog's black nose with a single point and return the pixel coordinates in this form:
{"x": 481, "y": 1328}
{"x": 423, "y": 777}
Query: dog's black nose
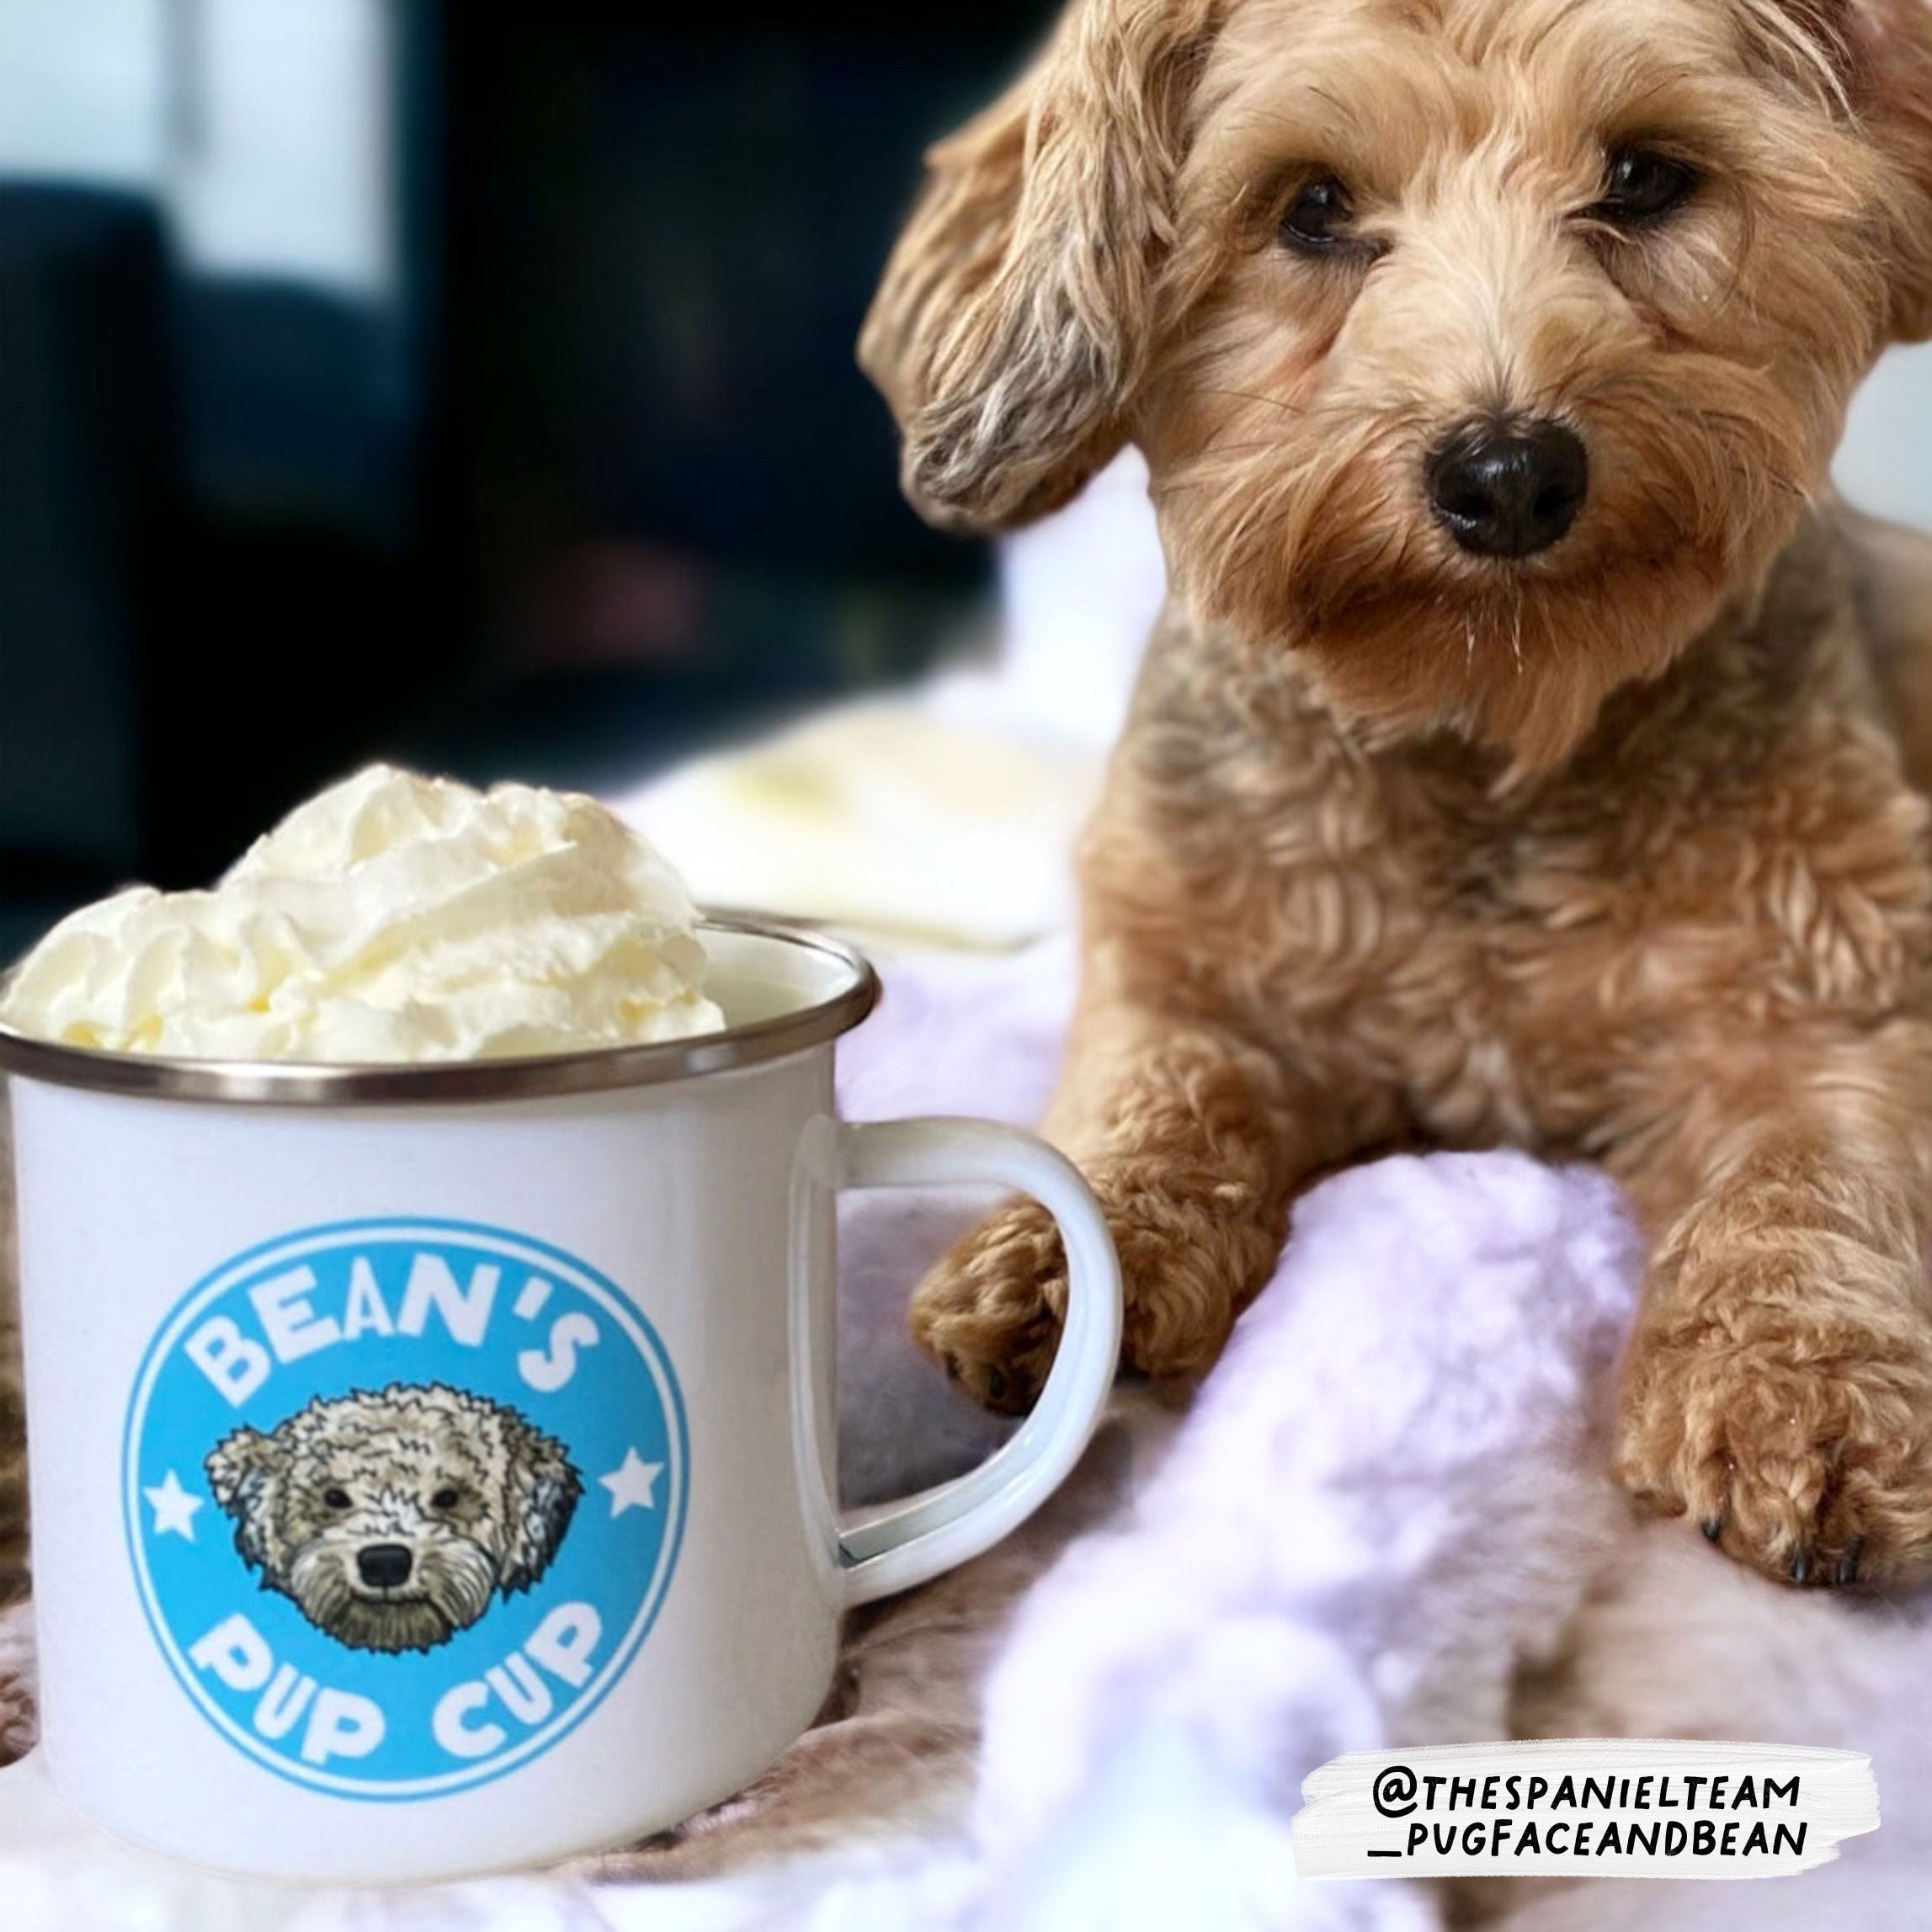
{"x": 1504, "y": 488}
{"x": 384, "y": 1564}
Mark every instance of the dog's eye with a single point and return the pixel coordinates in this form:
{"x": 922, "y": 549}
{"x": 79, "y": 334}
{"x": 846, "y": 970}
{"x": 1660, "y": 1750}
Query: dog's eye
{"x": 336, "y": 1499}
{"x": 445, "y": 1499}
{"x": 1319, "y": 218}
{"x": 1642, "y": 185}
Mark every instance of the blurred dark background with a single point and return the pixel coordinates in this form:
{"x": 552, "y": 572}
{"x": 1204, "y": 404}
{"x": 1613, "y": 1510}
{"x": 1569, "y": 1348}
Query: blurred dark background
{"x": 467, "y": 384}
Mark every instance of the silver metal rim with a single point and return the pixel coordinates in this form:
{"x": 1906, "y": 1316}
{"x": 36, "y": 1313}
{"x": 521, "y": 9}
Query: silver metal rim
{"x": 314, "y": 1083}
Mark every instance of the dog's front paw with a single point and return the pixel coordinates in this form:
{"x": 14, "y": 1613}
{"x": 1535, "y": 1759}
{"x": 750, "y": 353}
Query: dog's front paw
{"x": 991, "y": 1310}
{"x": 1801, "y": 1447}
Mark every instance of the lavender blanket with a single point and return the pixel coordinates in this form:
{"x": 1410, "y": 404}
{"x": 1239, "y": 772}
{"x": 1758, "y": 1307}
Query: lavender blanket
{"x": 1380, "y": 1507}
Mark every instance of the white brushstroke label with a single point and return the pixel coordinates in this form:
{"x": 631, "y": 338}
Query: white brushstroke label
{"x": 1628, "y": 1807}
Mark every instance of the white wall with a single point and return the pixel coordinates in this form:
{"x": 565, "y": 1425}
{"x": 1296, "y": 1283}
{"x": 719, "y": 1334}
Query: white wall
{"x": 265, "y": 127}
{"x": 1885, "y": 464}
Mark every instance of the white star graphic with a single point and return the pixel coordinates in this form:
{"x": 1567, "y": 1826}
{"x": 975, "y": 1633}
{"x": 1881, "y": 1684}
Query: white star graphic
{"x": 173, "y": 1508}
{"x": 631, "y": 1486}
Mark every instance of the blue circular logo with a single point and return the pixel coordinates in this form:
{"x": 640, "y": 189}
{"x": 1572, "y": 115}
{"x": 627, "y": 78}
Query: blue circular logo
{"x": 402, "y": 1499}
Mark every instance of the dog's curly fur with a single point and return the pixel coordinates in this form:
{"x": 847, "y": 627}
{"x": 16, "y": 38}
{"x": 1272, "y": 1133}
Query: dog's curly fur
{"x": 1618, "y": 850}
{"x": 460, "y": 1493}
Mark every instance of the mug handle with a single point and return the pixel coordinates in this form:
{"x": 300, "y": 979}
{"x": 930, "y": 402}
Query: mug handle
{"x": 961, "y": 1518}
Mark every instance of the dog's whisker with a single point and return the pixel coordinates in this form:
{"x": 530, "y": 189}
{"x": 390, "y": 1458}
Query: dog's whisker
{"x": 1281, "y": 404}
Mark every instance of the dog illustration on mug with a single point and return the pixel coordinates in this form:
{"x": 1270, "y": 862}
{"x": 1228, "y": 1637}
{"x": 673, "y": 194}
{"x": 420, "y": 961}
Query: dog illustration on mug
{"x": 392, "y": 1519}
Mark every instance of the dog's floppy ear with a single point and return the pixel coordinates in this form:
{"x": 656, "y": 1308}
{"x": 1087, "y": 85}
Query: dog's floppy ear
{"x": 1879, "y": 53}
{"x": 240, "y": 1469}
{"x": 1891, "y": 42}
{"x": 541, "y": 1487}
{"x": 1012, "y": 326}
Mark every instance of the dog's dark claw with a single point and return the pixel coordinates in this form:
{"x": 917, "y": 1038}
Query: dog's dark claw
{"x": 1713, "y": 1529}
{"x": 1801, "y": 1566}
{"x": 952, "y": 1368}
{"x": 996, "y": 1384}
{"x": 1847, "y": 1572}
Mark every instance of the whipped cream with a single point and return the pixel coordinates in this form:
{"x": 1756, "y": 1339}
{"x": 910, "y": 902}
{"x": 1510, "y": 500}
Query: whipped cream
{"x": 393, "y": 918}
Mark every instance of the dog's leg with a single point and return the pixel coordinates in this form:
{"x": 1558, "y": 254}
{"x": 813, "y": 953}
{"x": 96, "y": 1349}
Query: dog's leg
{"x": 1194, "y": 1140}
{"x": 1779, "y": 1387}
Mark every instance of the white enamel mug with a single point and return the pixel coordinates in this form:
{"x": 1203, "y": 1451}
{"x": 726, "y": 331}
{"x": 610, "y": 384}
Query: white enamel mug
{"x": 432, "y": 1467}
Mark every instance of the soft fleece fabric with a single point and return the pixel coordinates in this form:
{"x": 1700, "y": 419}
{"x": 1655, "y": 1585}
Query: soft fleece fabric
{"x": 1386, "y": 1497}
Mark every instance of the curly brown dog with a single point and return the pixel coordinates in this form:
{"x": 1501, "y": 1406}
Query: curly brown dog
{"x": 1531, "y": 752}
